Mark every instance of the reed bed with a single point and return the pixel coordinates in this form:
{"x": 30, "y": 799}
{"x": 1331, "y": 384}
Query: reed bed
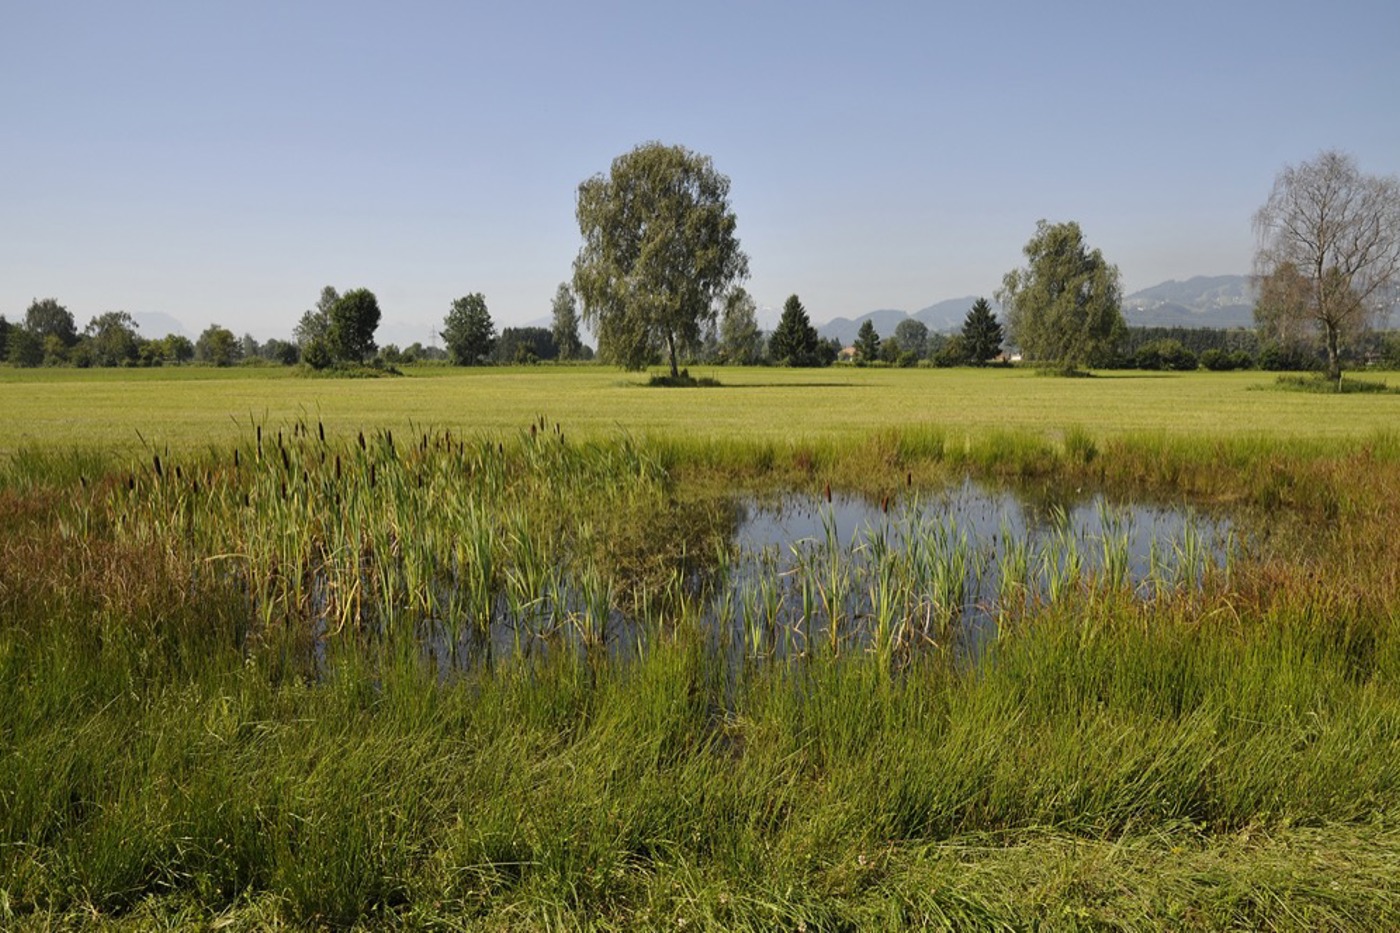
{"x": 424, "y": 680}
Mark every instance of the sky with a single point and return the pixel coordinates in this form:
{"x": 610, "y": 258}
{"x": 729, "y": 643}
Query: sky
{"x": 223, "y": 161}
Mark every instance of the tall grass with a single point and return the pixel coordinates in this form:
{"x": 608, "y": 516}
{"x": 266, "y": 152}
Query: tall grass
{"x": 217, "y": 703}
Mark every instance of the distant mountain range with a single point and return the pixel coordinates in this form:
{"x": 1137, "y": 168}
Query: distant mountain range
{"x": 1203, "y": 301}
{"x": 1220, "y": 301}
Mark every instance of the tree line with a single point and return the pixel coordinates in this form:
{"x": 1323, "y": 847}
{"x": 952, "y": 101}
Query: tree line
{"x": 659, "y": 279}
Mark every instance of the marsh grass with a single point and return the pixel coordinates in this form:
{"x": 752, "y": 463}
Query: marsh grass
{"x": 184, "y": 741}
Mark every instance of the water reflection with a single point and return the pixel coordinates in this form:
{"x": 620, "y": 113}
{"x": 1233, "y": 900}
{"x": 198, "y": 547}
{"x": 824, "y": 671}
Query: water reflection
{"x": 945, "y": 569}
{"x": 788, "y": 576}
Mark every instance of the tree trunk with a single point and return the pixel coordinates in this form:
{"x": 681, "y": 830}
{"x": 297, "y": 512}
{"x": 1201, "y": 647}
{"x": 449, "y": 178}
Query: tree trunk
{"x": 671, "y": 345}
{"x": 1334, "y": 362}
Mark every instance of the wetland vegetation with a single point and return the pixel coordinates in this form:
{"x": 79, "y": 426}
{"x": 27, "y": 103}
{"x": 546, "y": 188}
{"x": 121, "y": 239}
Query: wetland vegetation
{"x": 294, "y": 671}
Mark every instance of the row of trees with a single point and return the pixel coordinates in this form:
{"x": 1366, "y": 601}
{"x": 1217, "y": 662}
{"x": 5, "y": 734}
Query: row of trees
{"x": 471, "y": 336}
{"x": 660, "y": 258}
{"x": 49, "y": 336}
{"x": 660, "y": 255}
{"x": 976, "y": 344}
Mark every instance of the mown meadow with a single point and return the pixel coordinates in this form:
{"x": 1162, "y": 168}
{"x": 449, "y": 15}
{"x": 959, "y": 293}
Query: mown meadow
{"x": 470, "y": 650}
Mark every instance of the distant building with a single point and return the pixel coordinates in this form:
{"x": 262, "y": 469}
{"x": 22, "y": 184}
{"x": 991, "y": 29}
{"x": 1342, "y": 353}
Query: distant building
{"x": 847, "y": 355}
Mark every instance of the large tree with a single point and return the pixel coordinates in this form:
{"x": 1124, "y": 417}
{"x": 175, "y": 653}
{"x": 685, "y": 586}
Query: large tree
{"x": 47, "y": 318}
{"x": 468, "y": 332}
{"x": 740, "y": 340}
{"x": 1328, "y": 253}
{"x": 1063, "y": 308}
{"x": 354, "y": 317}
{"x": 565, "y": 324}
{"x": 912, "y": 336}
{"x": 217, "y": 345}
{"x": 316, "y": 323}
{"x": 658, "y": 252}
{"x": 981, "y": 333}
{"x": 794, "y": 342}
{"x": 112, "y": 339}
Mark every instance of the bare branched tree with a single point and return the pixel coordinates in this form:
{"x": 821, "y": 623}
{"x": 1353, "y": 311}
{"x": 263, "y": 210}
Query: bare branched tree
{"x": 1328, "y": 256}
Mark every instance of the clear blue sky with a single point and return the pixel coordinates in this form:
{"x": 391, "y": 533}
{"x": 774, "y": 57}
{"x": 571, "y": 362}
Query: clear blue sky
{"x": 222, "y": 161}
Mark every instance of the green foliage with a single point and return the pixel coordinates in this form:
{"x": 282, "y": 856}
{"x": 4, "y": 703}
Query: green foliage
{"x": 981, "y": 333}
{"x": 315, "y": 325}
{"x": 112, "y": 339}
{"x": 684, "y": 380}
{"x": 1218, "y": 360}
{"x": 1165, "y": 354}
{"x": 353, "y": 319}
{"x": 794, "y": 342}
{"x": 1390, "y": 350}
{"x": 55, "y": 350}
{"x": 47, "y": 318}
{"x": 281, "y": 351}
{"x": 889, "y": 350}
{"x": 912, "y": 336}
{"x": 951, "y": 352}
{"x": 1323, "y": 384}
{"x": 1063, "y": 308}
{"x": 217, "y": 345}
{"x": 658, "y": 252}
{"x": 867, "y": 342}
{"x": 5, "y": 328}
{"x": 740, "y": 340}
{"x": 1288, "y": 357}
{"x": 564, "y": 329}
{"x": 1196, "y": 339}
{"x": 468, "y": 331}
{"x": 26, "y": 348}
{"x": 526, "y": 345}
{"x": 316, "y": 354}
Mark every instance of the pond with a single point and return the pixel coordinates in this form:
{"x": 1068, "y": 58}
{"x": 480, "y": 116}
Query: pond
{"x": 947, "y": 567}
{"x": 924, "y": 570}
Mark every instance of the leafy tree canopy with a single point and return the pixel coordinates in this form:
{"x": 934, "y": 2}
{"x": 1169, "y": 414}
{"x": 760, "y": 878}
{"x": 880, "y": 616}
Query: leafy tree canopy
{"x": 354, "y": 317}
{"x": 112, "y": 339}
{"x": 217, "y": 345}
{"x": 659, "y": 250}
{"x": 24, "y": 348}
{"x": 47, "y": 318}
{"x": 1064, "y": 306}
{"x": 912, "y": 336}
{"x": 468, "y": 332}
{"x": 740, "y": 340}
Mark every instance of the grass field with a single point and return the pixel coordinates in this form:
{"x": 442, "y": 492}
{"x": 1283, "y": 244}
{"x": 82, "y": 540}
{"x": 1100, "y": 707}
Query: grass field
{"x": 197, "y": 406}
{"x": 226, "y": 596}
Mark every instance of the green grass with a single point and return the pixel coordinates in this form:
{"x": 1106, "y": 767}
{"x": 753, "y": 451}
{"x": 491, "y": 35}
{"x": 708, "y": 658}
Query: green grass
{"x": 196, "y": 406}
{"x": 216, "y": 711}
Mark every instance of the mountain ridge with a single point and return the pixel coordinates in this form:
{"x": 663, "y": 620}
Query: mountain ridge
{"x": 1207, "y": 301}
